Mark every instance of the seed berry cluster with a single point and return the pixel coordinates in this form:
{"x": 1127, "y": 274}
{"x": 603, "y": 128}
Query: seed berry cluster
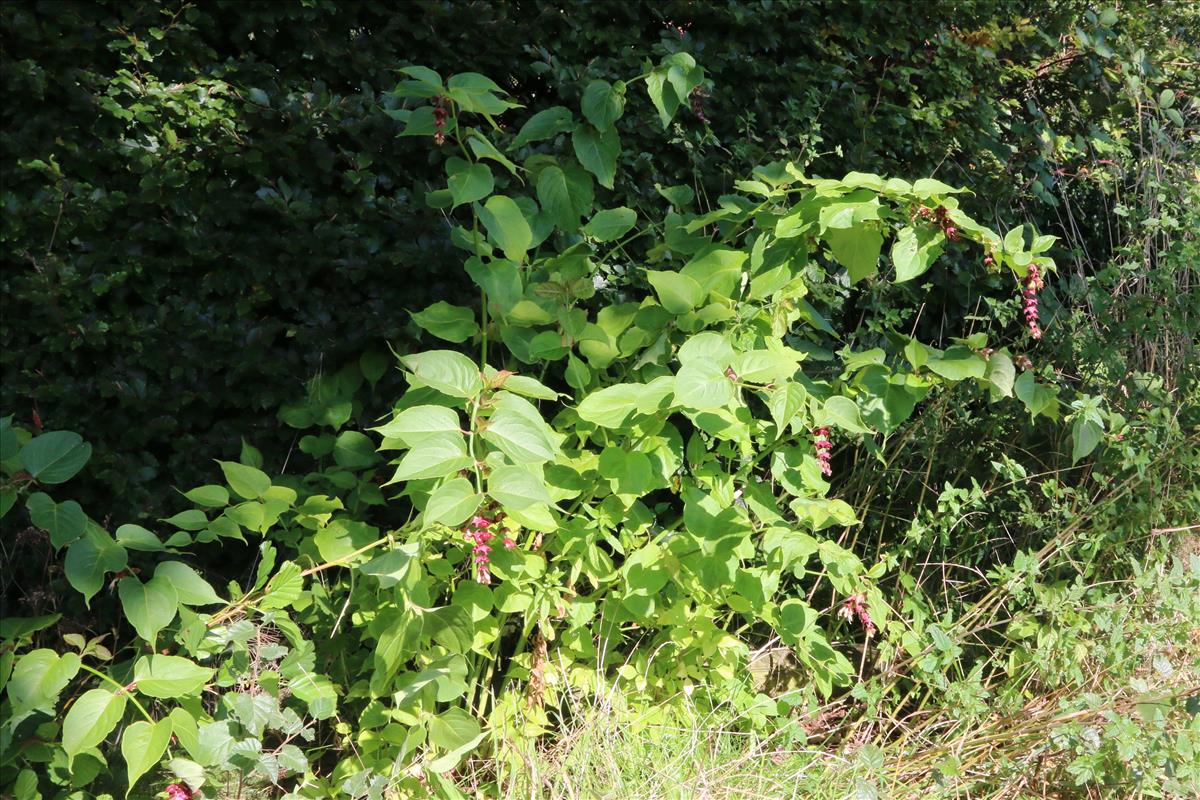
{"x": 439, "y": 122}
{"x": 855, "y": 607}
{"x": 940, "y": 216}
{"x": 178, "y": 791}
{"x": 697, "y": 102}
{"x": 1033, "y": 282}
{"x": 824, "y": 449}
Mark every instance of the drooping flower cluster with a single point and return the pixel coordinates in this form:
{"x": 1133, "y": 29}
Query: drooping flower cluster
{"x": 1033, "y": 282}
{"x": 940, "y": 216}
{"x": 697, "y": 103}
{"x": 479, "y": 533}
{"x": 439, "y": 122}
{"x": 855, "y": 607}
{"x": 178, "y": 791}
{"x": 824, "y": 449}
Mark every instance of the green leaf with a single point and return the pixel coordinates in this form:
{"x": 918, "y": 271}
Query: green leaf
{"x": 702, "y": 386}
{"x": 482, "y": 148}
{"x": 857, "y": 249}
{"x": 142, "y": 746}
{"x": 150, "y": 606}
{"x": 662, "y": 95}
{"x": 427, "y": 83}
{"x": 914, "y": 250}
{"x": 452, "y": 503}
{"x": 192, "y": 589}
{"x": 247, "y": 482}
{"x": 611, "y": 224}
{"x": 678, "y": 293}
{"x": 38, "y": 677}
{"x": 958, "y": 363}
{"x": 597, "y": 152}
{"x": 706, "y": 348}
{"x": 65, "y": 522}
{"x": 544, "y": 125}
{"x": 55, "y": 457}
{"x": 1001, "y": 373}
{"x": 517, "y": 428}
{"x": 554, "y": 195}
{"x": 437, "y": 456}
{"x": 414, "y": 425}
{"x": 603, "y": 103}
{"x": 448, "y": 372}
{"x": 1038, "y": 399}
{"x": 928, "y": 187}
{"x": 517, "y": 488}
{"x": 449, "y": 322}
{"x": 354, "y": 450}
{"x": 90, "y": 719}
{"x": 284, "y": 588}
{"x": 169, "y": 677}
{"x": 628, "y": 472}
{"x": 135, "y": 537}
{"x": 190, "y": 520}
{"x": 506, "y": 226}
{"x": 785, "y": 402}
{"x": 475, "y": 182}
{"x": 391, "y": 567}
{"x": 1085, "y": 435}
{"x": 452, "y": 729}
{"x": 611, "y": 406}
{"x": 843, "y": 412}
{"x": 90, "y": 559}
{"x": 210, "y": 495}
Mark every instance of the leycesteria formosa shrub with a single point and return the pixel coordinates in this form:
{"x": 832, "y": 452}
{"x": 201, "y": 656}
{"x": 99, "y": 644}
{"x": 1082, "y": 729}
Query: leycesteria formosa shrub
{"x": 615, "y": 468}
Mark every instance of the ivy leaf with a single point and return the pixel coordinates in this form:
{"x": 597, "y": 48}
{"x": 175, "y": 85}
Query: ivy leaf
{"x": 90, "y": 719}
{"x": 452, "y": 503}
{"x": 448, "y": 372}
{"x": 150, "y": 606}
{"x": 55, "y": 457}
{"x": 449, "y": 322}
{"x": 603, "y": 103}
{"x": 610, "y": 224}
{"x": 914, "y": 250}
{"x": 544, "y": 125}
{"x": 472, "y": 183}
{"x": 142, "y": 745}
{"x": 506, "y": 226}
{"x": 597, "y": 152}
{"x": 857, "y": 249}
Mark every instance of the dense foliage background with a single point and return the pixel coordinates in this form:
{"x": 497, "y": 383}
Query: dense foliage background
{"x": 219, "y": 220}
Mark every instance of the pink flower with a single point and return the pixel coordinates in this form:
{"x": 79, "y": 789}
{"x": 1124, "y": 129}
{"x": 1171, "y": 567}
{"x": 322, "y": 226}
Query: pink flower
{"x": 824, "y": 448}
{"x": 1033, "y": 282}
{"x": 855, "y": 606}
{"x": 177, "y": 791}
{"x": 479, "y": 532}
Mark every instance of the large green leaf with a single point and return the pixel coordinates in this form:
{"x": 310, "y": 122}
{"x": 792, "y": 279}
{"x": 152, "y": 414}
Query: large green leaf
{"x": 506, "y": 226}
{"x": 449, "y": 322}
{"x": 191, "y": 589}
{"x": 610, "y": 224}
{"x": 1085, "y": 435}
{"x": 90, "y": 719}
{"x": 169, "y": 677}
{"x": 142, "y": 746}
{"x": 449, "y": 372}
{"x": 842, "y": 412}
{"x": 248, "y": 482}
{"x": 38, "y": 677}
{"x": 65, "y": 522}
{"x": 554, "y": 194}
{"x": 958, "y": 363}
{"x": 914, "y": 250}
{"x": 678, "y": 293}
{"x": 517, "y": 488}
{"x": 611, "y": 406}
{"x": 452, "y": 503}
{"x": 55, "y": 457}
{"x": 597, "y": 152}
{"x": 703, "y": 385}
{"x": 149, "y": 606}
{"x": 544, "y": 125}
{"x": 603, "y": 103}
{"x": 414, "y": 425}
{"x": 437, "y": 456}
{"x": 471, "y": 183}
{"x": 517, "y": 428}
{"x": 89, "y": 559}
{"x": 354, "y": 450}
{"x": 857, "y": 249}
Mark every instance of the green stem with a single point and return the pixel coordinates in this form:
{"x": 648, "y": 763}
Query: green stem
{"x": 121, "y": 690}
